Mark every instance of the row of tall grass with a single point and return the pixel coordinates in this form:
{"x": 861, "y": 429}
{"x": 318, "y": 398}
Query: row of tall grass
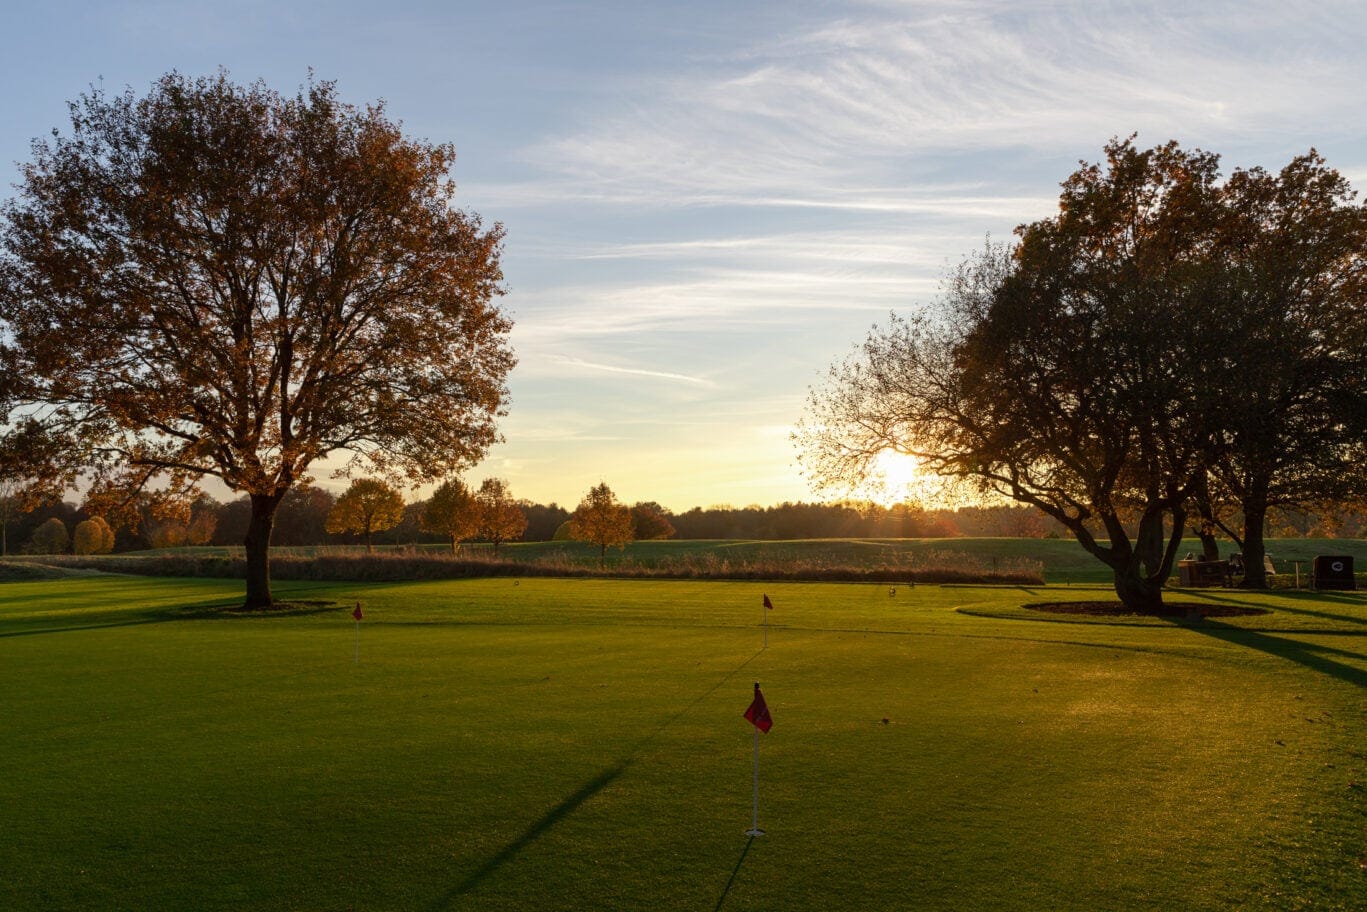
{"x": 934, "y": 566}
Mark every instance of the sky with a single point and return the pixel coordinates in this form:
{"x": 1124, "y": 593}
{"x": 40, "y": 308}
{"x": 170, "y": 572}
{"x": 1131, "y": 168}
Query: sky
{"x": 709, "y": 203}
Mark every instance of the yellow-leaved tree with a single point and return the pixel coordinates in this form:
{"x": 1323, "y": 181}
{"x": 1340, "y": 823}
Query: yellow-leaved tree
{"x": 453, "y": 512}
{"x": 500, "y": 517}
{"x": 600, "y": 519}
{"x": 93, "y": 536}
{"x": 367, "y": 507}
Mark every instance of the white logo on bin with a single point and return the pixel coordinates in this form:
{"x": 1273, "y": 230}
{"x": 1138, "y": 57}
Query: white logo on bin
{"x": 1337, "y": 566}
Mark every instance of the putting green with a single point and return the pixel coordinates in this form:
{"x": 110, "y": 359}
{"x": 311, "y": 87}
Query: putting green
{"x": 578, "y": 744}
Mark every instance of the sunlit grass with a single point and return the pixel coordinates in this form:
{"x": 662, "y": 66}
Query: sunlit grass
{"x": 577, "y": 744}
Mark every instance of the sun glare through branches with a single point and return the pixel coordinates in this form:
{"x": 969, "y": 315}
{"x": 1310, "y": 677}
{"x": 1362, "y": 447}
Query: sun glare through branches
{"x": 894, "y": 477}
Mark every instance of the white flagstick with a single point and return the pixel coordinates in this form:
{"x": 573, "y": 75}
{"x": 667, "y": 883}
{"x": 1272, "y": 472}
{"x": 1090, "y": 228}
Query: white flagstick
{"x": 765, "y": 607}
{"x": 357, "y": 615}
{"x": 754, "y": 815}
{"x": 758, "y": 716}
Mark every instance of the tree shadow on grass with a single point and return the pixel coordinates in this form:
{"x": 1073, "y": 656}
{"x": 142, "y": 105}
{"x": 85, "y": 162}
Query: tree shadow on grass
{"x": 1343, "y": 596}
{"x": 534, "y": 832}
{"x": 1347, "y": 619}
{"x": 1307, "y": 612}
{"x": 76, "y": 628}
{"x": 572, "y": 803}
{"x": 1311, "y": 656}
{"x": 214, "y": 610}
{"x": 282, "y": 608}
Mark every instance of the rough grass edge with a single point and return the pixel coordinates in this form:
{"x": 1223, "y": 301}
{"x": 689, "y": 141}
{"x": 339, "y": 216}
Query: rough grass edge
{"x": 948, "y": 568}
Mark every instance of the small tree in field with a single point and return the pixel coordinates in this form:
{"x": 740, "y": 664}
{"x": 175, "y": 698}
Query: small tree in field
{"x": 367, "y": 507}
{"x": 93, "y": 536}
{"x": 500, "y": 518}
{"x": 166, "y": 533}
{"x": 600, "y": 519}
{"x": 452, "y": 511}
{"x": 178, "y": 524}
{"x": 50, "y": 538}
{"x": 648, "y": 522}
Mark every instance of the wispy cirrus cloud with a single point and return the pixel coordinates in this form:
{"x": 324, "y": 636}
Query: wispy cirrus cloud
{"x": 715, "y": 301}
{"x": 580, "y": 363}
{"x": 806, "y": 119}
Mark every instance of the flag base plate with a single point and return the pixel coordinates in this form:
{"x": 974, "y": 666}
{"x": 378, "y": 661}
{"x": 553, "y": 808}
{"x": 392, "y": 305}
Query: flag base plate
{"x": 754, "y": 831}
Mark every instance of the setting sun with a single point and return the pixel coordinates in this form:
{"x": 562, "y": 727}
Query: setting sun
{"x": 894, "y": 476}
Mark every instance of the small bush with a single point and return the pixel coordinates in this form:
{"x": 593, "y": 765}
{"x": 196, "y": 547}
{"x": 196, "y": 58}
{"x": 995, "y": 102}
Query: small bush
{"x": 93, "y": 536}
{"x": 50, "y": 538}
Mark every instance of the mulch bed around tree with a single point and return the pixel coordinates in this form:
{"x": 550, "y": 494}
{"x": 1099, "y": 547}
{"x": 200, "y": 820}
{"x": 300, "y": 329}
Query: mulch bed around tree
{"x": 1170, "y": 609}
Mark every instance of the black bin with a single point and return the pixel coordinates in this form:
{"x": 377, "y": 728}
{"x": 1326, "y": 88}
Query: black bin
{"x": 1332, "y": 572}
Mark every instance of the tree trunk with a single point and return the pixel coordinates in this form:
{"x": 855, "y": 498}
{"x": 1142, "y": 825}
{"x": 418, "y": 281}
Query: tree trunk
{"x": 1210, "y": 548}
{"x": 257, "y": 545}
{"x": 1141, "y": 568}
{"x": 1205, "y": 530}
{"x": 455, "y": 545}
{"x": 1255, "y": 516}
{"x": 369, "y": 548}
{"x": 602, "y": 556}
{"x": 1137, "y": 593}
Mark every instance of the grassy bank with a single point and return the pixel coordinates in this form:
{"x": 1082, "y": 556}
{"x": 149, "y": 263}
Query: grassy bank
{"x": 1005, "y": 560}
{"x": 813, "y": 561}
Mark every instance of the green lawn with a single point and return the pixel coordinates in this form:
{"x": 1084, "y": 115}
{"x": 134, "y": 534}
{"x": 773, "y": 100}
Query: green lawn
{"x": 578, "y": 744}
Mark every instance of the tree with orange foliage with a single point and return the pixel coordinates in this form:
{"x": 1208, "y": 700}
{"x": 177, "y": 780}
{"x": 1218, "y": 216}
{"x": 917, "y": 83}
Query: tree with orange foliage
{"x": 452, "y": 511}
{"x": 600, "y": 519}
{"x": 220, "y": 282}
{"x": 367, "y": 507}
{"x": 500, "y": 517}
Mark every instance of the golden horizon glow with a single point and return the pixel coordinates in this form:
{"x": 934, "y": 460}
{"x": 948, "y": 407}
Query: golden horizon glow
{"x": 894, "y": 477}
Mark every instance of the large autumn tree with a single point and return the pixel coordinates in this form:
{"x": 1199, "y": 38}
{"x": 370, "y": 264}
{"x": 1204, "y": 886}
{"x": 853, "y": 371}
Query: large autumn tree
{"x": 1290, "y": 316}
{"x": 218, "y": 281}
{"x": 1168, "y": 339}
{"x": 1065, "y": 372}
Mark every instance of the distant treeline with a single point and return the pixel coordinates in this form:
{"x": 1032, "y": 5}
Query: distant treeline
{"x": 300, "y": 522}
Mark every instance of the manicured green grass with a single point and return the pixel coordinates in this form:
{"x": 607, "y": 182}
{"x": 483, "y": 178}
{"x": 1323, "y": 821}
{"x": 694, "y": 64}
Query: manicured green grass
{"x": 578, "y": 744}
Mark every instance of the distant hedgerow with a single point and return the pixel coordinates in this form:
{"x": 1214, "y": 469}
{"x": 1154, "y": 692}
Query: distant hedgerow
{"x": 926, "y": 567}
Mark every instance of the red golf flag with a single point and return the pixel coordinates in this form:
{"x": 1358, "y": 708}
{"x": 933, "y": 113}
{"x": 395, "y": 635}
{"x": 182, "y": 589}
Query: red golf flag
{"x": 357, "y": 613}
{"x": 767, "y": 603}
{"x": 758, "y": 713}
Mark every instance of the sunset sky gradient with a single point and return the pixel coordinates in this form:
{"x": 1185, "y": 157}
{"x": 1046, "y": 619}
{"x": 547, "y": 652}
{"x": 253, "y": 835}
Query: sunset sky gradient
{"x": 707, "y": 203}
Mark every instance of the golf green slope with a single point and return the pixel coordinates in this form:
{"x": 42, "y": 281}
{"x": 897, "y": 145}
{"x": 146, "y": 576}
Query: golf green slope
{"x": 578, "y": 744}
